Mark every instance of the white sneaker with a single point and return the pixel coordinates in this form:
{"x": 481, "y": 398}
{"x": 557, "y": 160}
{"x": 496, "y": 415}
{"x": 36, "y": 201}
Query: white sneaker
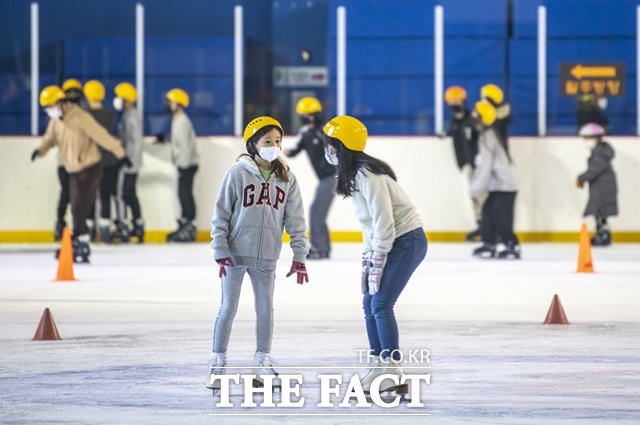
{"x": 217, "y": 366}
{"x": 263, "y": 365}
{"x": 393, "y": 368}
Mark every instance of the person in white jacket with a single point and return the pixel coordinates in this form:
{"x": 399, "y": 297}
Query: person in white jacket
{"x": 258, "y": 200}
{"x": 496, "y": 175}
{"x": 185, "y": 157}
{"x": 394, "y": 241}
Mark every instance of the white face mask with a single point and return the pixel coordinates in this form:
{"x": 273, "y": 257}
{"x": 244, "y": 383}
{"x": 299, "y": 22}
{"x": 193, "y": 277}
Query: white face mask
{"x": 603, "y": 102}
{"x": 269, "y": 154}
{"x": 331, "y": 158}
{"x": 118, "y": 103}
{"x": 590, "y": 143}
{"x": 54, "y": 112}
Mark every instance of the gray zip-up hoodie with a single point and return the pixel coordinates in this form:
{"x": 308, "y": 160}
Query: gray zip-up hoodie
{"x": 183, "y": 142}
{"x": 130, "y": 134}
{"x": 494, "y": 172}
{"x": 251, "y": 214}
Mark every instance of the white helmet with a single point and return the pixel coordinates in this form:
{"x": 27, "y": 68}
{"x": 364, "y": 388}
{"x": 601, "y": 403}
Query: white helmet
{"x": 591, "y": 130}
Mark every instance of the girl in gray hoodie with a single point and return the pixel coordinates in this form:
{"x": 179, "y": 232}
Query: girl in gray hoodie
{"x": 258, "y": 200}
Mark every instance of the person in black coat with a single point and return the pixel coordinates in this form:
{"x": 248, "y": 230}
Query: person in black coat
{"x": 603, "y": 188}
{"x": 311, "y": 139}
{"x": 464, "y": 131}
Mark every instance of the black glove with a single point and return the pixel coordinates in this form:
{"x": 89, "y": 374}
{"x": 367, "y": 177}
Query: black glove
{"x": 124, "y": 162}
{"x": 34, "y": 155}
{"x": 160, "y": 138}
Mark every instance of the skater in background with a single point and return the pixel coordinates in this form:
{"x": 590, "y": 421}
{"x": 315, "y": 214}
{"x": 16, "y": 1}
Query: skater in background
{"x": 496, "y": 175}
{"x": 185, "y": 158}
{"x": 494, "y": 95}
{"x": 258, "y": 200}
{"x": 603, "y": 188}
{"x": 394, "y": 243}
{"x": 72, "y": 91}
{"x": 130, "y": 135}
{"x": 311, "y": 139}
{"x": 77, "y": 134}
{"x": 94, "y": 92}
{"x": 464, "y": 132}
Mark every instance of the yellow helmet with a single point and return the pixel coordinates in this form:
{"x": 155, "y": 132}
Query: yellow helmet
{"x": 349, "y": 130}
{"x": 455, "y": 94}
{"x": 178, "y": 96}
{"x": 126, "y": 91}
{"x": 308, "y": 105}
{"x": 492, "y": 92}
{"x": 51, "y": 95}
{"x": 258, "y": 123}
{"x": 93, "y": 90}
{"x": 71, "y": 84}
{"x": 486, "y": 111}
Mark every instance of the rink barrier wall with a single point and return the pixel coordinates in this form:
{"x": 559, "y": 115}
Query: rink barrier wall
{"x": 548, "y": 207}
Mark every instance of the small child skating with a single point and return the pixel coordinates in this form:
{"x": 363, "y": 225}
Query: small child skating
{"x": 603, "y": 188}
{"x": 258, "y": 200}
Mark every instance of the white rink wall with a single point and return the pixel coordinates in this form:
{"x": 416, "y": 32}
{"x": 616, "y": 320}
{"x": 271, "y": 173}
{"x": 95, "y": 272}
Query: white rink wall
{"x": 547, "y": 201}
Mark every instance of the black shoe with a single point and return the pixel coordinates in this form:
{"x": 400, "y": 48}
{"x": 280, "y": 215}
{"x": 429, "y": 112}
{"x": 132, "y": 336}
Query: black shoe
{"x": 186, "y": 232}
{"x": 121, "y": 234}
{"x": 317, "y": 255}
{"x": 91, "y": 224}
{"x": 138, "y": 231}
{"x": 485, "y": 251}
{"x": 602, "y": 238}
{"x": 473, "y": 236}
{"x": 511, "y": 252}
{"x": 57, "y": 231}
{"x": 81, "y": 251}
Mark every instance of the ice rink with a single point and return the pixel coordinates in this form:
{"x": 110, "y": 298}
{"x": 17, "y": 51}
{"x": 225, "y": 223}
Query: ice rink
{"x": 137, "y": 324}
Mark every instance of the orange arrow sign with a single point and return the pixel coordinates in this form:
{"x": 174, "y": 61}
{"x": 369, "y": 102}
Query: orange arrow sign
{"x": 580, "y": 71}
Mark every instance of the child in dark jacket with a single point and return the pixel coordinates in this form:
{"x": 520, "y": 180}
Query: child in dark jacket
{"x": 603, "y": 188}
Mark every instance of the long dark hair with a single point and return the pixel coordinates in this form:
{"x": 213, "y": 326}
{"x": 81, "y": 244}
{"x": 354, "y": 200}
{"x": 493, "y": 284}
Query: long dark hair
{"x": 278, "y": 166}
{"x": 350, "y": 162}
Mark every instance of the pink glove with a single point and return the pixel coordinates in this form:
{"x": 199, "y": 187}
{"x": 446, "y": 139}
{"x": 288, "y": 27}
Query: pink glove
{"x": 222, "y": 262}
{"x": 301, "y": 270}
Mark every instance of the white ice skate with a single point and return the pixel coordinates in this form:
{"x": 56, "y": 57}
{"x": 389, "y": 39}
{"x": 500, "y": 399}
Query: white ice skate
{"x": 386, "y": 367}
{"x": 263, "y": 365}
{"x": 217, "y": 366}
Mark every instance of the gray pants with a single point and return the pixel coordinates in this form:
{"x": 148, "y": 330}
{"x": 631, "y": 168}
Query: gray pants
{"x": 318, "y": 215}
{"x": 263, "y": 282}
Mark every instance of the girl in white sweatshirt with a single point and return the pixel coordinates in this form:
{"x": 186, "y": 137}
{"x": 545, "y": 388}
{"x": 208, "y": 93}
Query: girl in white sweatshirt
{"x": 394, "y": 241}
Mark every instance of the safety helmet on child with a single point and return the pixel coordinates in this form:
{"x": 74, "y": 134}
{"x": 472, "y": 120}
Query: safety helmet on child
{"x": 349, "y": 130}
{"x": 257, "y": 123}
{"x": 455, "y": 94}
{"x": 93, "y": 90}
{"x": 493, "y": 93}
{"x": 591, "y": 130}
{"x": 486, "y": 111}
{"x": 51, "y": 95}
{"x": 126, "y": 91}
{"x": 71, "y": 84}
{"x": 178, "y": 96}
{"x": 308, "y": 105}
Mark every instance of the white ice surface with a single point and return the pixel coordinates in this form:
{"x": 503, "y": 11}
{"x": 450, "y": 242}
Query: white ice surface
{"x": 136, "y": 329}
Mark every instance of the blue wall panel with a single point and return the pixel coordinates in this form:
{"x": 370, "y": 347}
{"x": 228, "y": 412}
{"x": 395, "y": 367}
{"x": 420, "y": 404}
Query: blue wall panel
{"x": 591, "y": 18}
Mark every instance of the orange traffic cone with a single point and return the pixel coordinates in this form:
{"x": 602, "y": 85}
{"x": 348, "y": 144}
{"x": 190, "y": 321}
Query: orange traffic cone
{"x": 65, "y": 258}
{"x": 47, "y": 330}
{"x": 585, "y": 261}
{"x": 556, "y": 315}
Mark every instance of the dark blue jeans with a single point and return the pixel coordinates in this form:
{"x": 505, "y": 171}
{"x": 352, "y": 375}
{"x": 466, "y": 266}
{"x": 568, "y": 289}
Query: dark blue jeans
{"x": 407, "y": 253}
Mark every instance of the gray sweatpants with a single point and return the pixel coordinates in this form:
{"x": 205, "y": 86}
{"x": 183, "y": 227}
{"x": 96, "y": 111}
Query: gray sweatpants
{"x": 263, "y": 282}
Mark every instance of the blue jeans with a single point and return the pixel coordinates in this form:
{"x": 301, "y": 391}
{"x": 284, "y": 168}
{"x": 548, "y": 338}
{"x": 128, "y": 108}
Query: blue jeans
{"x": 382, "y": 330}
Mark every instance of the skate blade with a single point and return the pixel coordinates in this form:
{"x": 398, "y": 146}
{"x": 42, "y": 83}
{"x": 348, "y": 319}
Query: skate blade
{"x": 258, "y": 384}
